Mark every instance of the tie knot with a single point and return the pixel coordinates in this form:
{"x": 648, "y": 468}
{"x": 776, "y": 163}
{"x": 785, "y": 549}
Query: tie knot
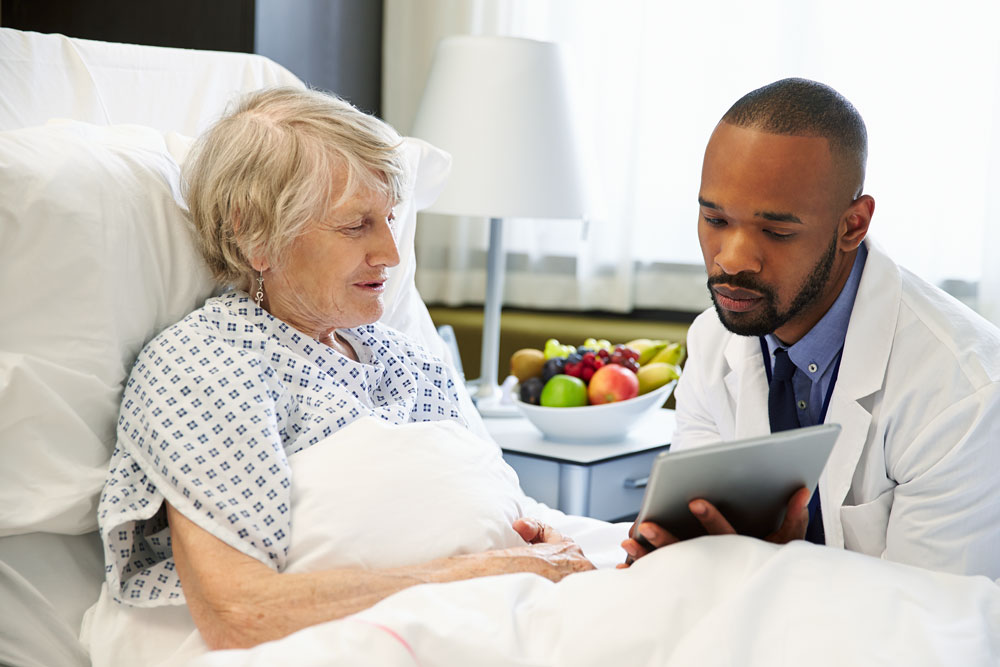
{"x": 784, "y": 369}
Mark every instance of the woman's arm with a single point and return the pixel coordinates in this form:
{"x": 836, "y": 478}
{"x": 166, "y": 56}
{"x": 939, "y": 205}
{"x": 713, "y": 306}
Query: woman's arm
{"x": 237, "y": 601}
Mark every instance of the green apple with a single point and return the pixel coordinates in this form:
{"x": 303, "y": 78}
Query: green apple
{"x": 563, "y": 391}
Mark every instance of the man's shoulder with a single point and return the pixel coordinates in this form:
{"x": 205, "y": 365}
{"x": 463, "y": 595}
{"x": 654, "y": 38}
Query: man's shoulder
{"x": 948, "y": 329}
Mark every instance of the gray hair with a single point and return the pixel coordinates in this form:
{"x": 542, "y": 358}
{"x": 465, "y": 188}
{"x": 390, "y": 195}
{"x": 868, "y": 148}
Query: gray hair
{"x": 267, "y": 169}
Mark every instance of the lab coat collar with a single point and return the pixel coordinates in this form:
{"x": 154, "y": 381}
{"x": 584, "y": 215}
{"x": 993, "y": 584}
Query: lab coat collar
{"x": 866, "y": 356}
{"x": 862, "y": 373}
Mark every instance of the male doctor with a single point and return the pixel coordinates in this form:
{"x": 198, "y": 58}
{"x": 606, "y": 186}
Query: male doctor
{"x": 814, "y": 323}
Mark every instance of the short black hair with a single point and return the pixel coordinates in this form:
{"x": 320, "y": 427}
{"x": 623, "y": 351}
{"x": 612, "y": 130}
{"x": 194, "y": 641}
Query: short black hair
{"x": 805, "y": 108}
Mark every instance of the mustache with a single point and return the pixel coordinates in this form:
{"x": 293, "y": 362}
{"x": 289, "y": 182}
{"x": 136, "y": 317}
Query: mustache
{"x": 742, "y": 280}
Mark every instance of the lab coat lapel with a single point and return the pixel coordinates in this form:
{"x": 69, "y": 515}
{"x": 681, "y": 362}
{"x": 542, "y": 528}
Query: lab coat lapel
{"x": 746, "y": 383}
{"x": 862, "y": 371}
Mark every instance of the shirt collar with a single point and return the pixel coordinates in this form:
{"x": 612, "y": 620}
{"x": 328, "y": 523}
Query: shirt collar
{"x": 815, "y": 352}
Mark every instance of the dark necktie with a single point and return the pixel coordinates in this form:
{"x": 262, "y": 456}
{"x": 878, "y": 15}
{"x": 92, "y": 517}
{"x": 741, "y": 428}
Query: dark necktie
{"x": 783, "y": 415}
{"x": 781, "y": 396}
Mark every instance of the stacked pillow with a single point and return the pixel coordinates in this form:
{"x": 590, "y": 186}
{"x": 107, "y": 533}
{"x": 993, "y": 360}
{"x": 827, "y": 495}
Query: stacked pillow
{"x": 96, "y": 258}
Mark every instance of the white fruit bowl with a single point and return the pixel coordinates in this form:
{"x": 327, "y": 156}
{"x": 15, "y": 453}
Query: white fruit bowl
{"x": 593, "y": 424}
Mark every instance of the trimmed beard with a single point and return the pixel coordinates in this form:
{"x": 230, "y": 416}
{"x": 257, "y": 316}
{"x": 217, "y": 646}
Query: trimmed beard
{"x": 769, "y": 319}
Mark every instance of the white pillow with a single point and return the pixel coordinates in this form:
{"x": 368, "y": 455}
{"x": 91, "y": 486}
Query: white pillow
{"x": 96, "y": 259}
{"x": 377, "y": 495}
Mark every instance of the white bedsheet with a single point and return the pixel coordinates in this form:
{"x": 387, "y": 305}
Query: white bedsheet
{"x": 386, "y": 495}
{"x": 710, "y": 601}
{"x": 372, "y": 495}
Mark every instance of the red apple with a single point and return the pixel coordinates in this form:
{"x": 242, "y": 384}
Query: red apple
{"x": 612, "y": 383}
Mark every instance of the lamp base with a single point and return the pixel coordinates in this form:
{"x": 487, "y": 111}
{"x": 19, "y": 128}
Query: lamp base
{"x": 494, "y": 401}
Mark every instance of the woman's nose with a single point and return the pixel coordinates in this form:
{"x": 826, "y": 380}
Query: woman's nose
{"x": 385, "y": 251}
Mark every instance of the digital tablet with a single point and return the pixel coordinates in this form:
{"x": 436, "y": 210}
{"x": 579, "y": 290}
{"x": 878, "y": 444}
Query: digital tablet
{"x": 750, "y": 481}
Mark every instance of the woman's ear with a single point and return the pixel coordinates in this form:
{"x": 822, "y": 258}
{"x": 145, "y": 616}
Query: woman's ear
{"x": 855, "y": 221}
{"x": 258, "y": 262}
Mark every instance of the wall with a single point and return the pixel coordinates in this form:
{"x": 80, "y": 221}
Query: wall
{"x": 334, "y": 45}
{"x": 221, "y": 25}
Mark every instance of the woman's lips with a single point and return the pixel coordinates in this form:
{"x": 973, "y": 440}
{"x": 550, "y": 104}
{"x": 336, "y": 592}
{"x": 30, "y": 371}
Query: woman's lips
{"x": 373, "y": 285}
{"x": 736, "y": 299}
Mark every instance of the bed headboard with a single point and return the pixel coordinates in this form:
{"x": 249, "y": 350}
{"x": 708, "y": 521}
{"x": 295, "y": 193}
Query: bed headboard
{"x": 180, "y": 90}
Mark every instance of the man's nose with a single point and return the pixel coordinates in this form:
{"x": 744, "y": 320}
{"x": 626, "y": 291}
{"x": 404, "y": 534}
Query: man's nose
{"x": 738, "y": 253}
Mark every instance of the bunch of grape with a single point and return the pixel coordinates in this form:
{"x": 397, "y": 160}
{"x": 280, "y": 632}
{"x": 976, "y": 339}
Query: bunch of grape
{"x": 583, "y": 365}
{"x": 535, "y": 368}
{"x": 625, "y": 356}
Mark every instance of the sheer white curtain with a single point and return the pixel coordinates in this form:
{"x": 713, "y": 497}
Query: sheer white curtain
{"x": 651, "y": 78}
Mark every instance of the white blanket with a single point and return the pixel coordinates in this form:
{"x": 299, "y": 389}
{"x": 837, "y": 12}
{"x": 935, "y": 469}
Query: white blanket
{"x": 372, "y": 495}
{"x": 377, "y": 495}
{"x": 711, "y": 601}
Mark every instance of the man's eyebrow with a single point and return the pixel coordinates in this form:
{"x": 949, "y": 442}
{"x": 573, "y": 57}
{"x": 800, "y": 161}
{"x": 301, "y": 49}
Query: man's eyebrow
{"x": 778, "y": 217}
{"x": 709, "y": 204}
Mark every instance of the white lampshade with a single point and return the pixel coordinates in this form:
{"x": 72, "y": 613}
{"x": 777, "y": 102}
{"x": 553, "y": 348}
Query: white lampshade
{"x": 499, "y": 105}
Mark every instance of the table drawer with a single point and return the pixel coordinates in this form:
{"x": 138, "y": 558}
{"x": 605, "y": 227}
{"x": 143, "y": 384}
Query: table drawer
{"x": 539, "y": 478}
{"x": 609, "y": 498}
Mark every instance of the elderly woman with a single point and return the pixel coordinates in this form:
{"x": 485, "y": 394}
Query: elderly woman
{"x": 292, "y": 196}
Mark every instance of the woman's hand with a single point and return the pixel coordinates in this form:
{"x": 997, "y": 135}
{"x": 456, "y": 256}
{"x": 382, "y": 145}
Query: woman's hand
{"x": 547, "y": 554}
{"x": 237, "y": 601}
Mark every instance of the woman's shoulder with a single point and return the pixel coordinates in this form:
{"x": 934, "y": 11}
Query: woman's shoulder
{"x": 223, "y": 321}
{"x": 225, "y": 317}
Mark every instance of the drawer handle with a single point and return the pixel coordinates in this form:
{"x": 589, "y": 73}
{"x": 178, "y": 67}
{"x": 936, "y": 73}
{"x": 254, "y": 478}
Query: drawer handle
{"x": 637, "y": 483}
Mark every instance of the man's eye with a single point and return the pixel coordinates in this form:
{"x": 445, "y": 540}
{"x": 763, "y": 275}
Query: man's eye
{"x": 781, "y": 236}
{"x": 715, "y": 222}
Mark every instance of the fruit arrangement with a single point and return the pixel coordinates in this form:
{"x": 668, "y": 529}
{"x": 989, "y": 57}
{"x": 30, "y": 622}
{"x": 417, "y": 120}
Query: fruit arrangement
{"x": 595, "y": 372}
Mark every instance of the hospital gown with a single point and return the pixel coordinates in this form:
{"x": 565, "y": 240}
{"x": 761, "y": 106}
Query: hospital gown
{"x": 214, "y": 406}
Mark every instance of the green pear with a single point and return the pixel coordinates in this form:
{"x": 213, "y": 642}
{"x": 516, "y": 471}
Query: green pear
{"x": 654, "y": 375}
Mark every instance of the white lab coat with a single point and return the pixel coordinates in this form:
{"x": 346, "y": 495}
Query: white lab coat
{"x": 914, "y": 475}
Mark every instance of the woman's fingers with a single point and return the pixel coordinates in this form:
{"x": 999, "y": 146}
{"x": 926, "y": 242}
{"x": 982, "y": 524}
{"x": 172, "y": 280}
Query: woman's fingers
{"x": 534, "y": 531}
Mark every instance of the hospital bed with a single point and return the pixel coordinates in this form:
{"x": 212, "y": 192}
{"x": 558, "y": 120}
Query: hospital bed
{"x": 95, "y": 260}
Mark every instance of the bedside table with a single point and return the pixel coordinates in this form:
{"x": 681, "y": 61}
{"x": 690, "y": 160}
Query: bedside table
{"x": 602, "y": 481}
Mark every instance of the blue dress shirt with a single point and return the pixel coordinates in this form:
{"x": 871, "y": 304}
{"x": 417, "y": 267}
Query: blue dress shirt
{"x": 815, "y": 355}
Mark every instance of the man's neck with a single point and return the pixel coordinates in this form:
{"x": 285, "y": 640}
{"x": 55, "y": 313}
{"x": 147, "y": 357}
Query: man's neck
{"x": 792, "y": 331}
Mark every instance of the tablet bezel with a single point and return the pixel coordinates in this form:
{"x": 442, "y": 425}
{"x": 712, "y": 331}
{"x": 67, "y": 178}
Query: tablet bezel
{"x": 750, "y": 481}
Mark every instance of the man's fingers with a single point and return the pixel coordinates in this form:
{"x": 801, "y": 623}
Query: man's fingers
{"x": 654, "y": 536}
{"x": 710, "y": 518}
{"x": 796, "y": 519}
{"x": 648, "y": 537}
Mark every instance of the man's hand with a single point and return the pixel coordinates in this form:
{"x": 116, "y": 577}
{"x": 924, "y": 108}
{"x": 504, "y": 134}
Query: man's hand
{"x": 653, "y": 536}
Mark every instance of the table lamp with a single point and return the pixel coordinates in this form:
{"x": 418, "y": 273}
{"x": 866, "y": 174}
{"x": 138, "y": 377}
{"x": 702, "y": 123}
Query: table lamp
{"x": 500, "y": 106}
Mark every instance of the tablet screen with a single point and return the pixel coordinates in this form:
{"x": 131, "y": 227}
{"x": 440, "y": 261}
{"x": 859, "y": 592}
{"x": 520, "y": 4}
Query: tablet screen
{"x": 750, "y": 481}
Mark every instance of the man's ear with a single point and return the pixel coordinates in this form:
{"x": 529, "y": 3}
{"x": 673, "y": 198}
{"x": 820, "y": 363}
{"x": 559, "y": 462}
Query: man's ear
{"x": 854, "y": 223}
